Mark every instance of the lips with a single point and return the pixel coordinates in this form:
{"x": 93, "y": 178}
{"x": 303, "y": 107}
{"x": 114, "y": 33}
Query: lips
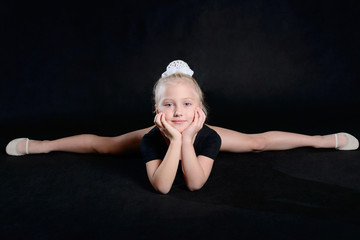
{"x": 178, "y": 121}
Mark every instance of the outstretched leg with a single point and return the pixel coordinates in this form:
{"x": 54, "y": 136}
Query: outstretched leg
{"x": 233, "y": 141}
{"x": 87, "y": 143}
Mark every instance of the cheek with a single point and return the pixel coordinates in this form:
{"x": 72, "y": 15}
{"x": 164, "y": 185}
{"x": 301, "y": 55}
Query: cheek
{"x": 168, "y": 112}
{"x": 191, "y": 112}
{"x": 161, "y": 109}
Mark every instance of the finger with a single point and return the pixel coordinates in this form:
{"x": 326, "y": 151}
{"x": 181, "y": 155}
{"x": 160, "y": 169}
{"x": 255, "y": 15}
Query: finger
{"x": 202, "y": 113}
{"x": 198, "y": 117}
{"x": 199, "y": 120}
{"x": 158, "y": 121}
{"x": 202, "y": 116}
{"x": 167, "y": 126}
{"x": 156, "y": 118}
{"x": 163, "y": 121}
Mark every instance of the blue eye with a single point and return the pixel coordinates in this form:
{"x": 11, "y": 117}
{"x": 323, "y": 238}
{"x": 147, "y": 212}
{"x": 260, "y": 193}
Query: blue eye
{"x": 187, "y": 104}
{"x": 167, "y": 104}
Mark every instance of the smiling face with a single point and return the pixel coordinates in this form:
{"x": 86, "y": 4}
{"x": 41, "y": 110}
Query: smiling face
{"x": 178, "y": 102}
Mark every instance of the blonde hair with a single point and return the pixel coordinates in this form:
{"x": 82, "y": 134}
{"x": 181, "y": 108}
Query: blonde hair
{"x": 162, "y": 82}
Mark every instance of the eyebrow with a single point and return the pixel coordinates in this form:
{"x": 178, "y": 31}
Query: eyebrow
{"x": 171, "y": 99}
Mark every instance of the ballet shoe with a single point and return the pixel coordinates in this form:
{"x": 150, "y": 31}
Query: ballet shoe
{"x": 351, "y": 144}
{"x": 12, "y": 145}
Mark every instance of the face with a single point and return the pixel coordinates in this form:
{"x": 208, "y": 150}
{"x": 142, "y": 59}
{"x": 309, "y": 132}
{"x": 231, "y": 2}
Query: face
{"x": 178, "y": 103}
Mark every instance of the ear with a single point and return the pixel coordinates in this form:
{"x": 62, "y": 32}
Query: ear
{"x": 156, "y": 109}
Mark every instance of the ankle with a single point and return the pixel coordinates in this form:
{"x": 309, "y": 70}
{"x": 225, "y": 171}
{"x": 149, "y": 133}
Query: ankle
{"x": 43, "y": 146}
{"x": 322, "y": 141}
{"x": 37, "y": 146}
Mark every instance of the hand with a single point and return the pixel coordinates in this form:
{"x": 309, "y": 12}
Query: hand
{"x": 170, "y": 132}
{"x": 198, "y": 122}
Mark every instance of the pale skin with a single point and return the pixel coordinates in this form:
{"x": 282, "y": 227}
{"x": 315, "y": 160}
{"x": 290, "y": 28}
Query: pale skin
{"x": 231, "y": 141}
{"x": 179, "y": 124}
{"x": 196, "y": 169}
{"x": 179, "y": 118}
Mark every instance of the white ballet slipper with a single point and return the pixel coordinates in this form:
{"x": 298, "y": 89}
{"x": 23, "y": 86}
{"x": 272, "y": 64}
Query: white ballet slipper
{"x": 11, "y": 147}
{"x": 351, "y": 144}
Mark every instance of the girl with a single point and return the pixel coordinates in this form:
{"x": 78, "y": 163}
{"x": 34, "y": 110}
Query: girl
{"x": 178, "y": 134}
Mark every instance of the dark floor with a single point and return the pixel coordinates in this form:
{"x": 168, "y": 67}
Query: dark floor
{"x": 297, "y": 194}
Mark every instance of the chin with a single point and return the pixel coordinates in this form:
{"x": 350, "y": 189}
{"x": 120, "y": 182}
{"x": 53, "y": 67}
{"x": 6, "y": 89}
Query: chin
{"x": 180, "y": 128}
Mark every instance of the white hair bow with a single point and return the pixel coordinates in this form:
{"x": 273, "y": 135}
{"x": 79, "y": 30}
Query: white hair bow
{"x": 177, "y": 66}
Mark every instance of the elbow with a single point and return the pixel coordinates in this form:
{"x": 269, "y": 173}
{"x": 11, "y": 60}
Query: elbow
{"x": 162, "y": 189}
{"x": 160, "y": 185}
{"x": 195, "y": 186}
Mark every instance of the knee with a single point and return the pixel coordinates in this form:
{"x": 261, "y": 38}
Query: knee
{"x": 257, "y": 143}
{"x": 102, "y": 149}
{"x": 99, "y": 144}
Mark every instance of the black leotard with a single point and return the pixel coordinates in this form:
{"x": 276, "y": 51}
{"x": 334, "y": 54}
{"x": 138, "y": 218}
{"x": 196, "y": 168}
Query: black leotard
{"x": 153, "y": 145}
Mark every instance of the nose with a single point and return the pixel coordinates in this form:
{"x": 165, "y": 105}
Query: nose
{"x": 177, "y": 112}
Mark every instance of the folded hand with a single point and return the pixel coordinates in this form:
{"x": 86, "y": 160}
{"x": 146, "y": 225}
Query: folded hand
{"x": 191, "y": 131}
{"x": 170, "y": 132}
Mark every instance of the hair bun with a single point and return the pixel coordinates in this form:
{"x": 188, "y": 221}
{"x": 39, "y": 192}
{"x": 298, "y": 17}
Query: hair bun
{"x": 177, "y": 66}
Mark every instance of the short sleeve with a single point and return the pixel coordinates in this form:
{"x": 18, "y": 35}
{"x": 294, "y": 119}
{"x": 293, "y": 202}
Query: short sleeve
{"x": 207, "y": 143}
{"x": 153, "y": 146}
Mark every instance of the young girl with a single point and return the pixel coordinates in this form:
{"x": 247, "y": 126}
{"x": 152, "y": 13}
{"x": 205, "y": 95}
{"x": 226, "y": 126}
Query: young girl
{"x": 178, "y": 132}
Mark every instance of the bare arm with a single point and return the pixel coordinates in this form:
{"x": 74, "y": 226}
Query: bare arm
{"x": 162, "y": 173}
{"x": 196, "y": 169}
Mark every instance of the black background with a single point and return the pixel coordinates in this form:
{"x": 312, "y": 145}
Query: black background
{"x": 262, "y": 64}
